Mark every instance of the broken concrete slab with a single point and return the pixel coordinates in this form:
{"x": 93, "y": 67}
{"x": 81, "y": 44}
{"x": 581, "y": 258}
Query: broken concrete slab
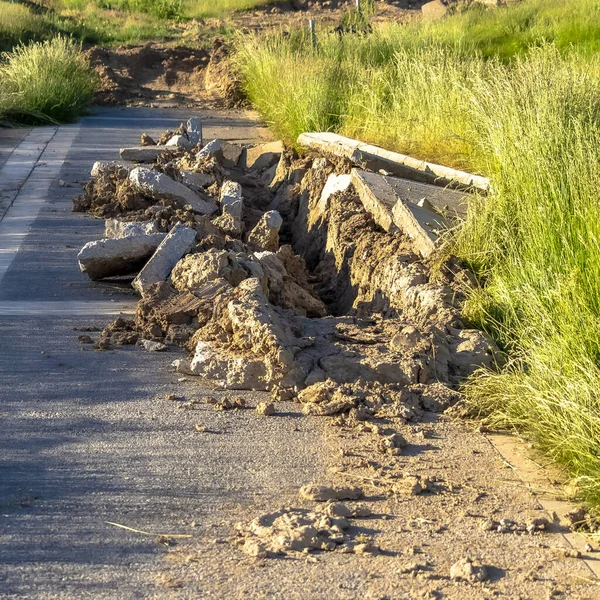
{"x": 376, "y": 158}
{"x": 263, "y": 156}
{"x": 101, "y": 166}
{"x": 377, "y": 197}
{"x": 179, "y": 141}
{"x": 226, "y": 153}
{"x": 196, "y": 181}
{"x": 143, "y": 154}
{"x": 265, "y": 234}
{"x": 194, "y": 130}
{"x": 178, "y": 242}
{"x": 159, "y": 186}
{"x": 434, "y": 10}
{"x": 232, "y": 204}
{"x": 453, "y": 204}
{"x": 115, "y": 228}
{"x": 421, "y": 225}
{"x": 115, "y": 257}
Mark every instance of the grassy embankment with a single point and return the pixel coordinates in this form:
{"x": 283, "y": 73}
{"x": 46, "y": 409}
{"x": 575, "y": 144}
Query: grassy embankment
{"x": 513, "y": 93}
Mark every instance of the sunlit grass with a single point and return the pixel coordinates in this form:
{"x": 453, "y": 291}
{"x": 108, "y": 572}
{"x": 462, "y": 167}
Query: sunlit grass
{"x": 48, "y": 81}
{"x": 513, "y": 93}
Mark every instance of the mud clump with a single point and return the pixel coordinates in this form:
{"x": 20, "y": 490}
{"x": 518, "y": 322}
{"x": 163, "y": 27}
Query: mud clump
{"x": 137, "y": 73}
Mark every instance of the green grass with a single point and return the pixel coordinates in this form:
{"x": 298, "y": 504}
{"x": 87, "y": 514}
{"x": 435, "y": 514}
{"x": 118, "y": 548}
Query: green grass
{"x": 115, "y": 21}
{"x": 45, "y": 81}
{"x": 515, "y": 94}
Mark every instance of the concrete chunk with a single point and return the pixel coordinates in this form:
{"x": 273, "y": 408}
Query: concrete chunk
{"x": 376, "y": 158}
{"x": 194, "y": 130}
{"x": 265, "y": 234}
{"x": 421, "y": 225}
{"x": 143, "y": 154}
{"x": 115, "y": 228}
{"x": 232, "y": 204}
{"x": 179, "y": 141}
{"x": 377, "y": 197}
{"x": 226, "y": 153}
{"x": 100, "y": 166}
{"x": 263, "y": 156}
{"x": 114, "y": 257}
{"x": 178, "y": 242}
{"x": 161, "y": 187}
{"x": 196, "y": 181}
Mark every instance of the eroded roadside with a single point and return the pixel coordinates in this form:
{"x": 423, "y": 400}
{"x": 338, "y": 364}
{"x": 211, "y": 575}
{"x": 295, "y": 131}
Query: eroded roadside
{"x": 273, "y": 274}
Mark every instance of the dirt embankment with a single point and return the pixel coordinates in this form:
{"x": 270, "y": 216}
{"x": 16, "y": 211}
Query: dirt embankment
{"x": 168, "y": 74}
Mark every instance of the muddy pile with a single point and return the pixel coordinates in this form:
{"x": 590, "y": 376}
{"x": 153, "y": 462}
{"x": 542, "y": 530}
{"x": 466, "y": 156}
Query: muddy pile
{"x": 269, "y": 270}
{"x": 181, "y": 75}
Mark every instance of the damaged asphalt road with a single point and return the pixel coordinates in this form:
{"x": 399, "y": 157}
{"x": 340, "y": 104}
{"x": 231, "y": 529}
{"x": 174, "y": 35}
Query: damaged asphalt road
{"x": 383, "y": 499}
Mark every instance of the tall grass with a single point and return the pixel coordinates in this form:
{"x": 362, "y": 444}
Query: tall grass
{"x": 45, "y": 81}
{"x": 19, "y": 24}
{"x": 522, "y": 110}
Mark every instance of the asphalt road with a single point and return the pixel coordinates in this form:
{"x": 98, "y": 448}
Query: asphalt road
{"x": 87, "y": 437}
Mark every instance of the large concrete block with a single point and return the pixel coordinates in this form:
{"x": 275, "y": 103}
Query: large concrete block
{"x": 161, "y": 187}
{"x": 114, "y": 257}
{"x": 376, "y": 159}
{"x": 178, "y": 242}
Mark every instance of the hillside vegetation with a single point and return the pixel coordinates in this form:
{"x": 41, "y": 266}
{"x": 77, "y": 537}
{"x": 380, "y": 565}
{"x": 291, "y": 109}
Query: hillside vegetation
{"x": 512, "y": 93}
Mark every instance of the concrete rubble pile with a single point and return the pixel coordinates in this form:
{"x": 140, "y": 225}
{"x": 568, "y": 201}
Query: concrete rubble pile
{"x": 299, "y": 275}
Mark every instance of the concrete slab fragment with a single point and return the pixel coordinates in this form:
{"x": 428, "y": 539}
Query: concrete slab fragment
{"x": 377, "y": 197}
{"x": 376, "y": 158}
{"x": 161, "y": 187}
{"x": 421, "y": 225}
{"x": 178, "y": 242}
{"x": 115, "y": 257}
{"x": 143, "y": 154}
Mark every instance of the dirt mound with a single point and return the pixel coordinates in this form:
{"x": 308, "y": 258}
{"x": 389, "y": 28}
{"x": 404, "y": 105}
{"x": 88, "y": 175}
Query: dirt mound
{"x": 134, "y": 74}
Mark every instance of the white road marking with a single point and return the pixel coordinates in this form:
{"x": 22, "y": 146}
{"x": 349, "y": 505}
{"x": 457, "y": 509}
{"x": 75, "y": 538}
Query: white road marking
{"x": 33, "y": 192}
{"x": 69, "y": 308}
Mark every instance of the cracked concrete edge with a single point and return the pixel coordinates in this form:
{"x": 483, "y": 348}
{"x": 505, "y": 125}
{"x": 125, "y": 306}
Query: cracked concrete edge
{"x": 535, "y": 478}
{"x": 399, "y": 164}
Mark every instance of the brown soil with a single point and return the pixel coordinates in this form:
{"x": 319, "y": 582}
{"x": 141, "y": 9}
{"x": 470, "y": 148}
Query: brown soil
{"x": 167, "y": 75}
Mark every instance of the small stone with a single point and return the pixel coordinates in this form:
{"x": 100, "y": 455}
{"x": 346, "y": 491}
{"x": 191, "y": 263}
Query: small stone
{"x": 85, "y": 339}
{"x": 170, "y": 397}
{"x": 411, "y": 485}
{"x": 366, "y": 548}
{"x": 466, "y": 570}
{"x": 266, "y": 409}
